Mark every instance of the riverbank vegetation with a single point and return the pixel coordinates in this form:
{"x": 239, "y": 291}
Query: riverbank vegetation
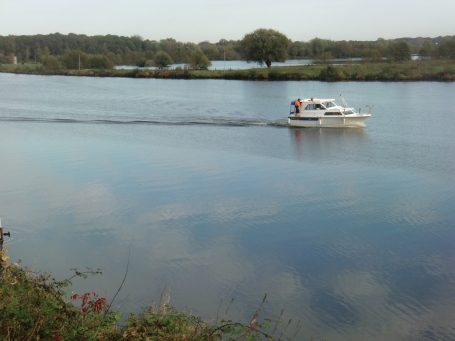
{"x": 418, "y": 70}
{"x": 79, "y": 55}
{"x": 136, "y": 50}
{"x": 36, "y": 306}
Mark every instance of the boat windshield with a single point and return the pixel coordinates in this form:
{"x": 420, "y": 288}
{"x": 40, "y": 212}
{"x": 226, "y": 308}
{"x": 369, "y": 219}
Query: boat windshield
{"x": 330, "y": 104}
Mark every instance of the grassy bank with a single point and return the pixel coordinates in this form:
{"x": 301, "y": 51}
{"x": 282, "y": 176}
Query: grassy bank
{"x": 419, "y": 70}
{"x": 38, "y": 307}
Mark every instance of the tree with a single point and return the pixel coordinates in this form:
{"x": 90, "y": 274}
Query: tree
{"x": 426, "y": 49}
{"x": 141, "y": 62}
{"x": 49, "y": 62}
{"x": 400, "y": 51}
{"x": 99, "y": 62}
{"x": 324, "y": 58}
{"x": 447, "y": 49}
{"x": 26, "y": 55}
{"x": 343, "y": 49}
{"x": 265, "y": 46}
{"x": 71, "y": 60}
{"x": 162, "y": 59}
{"x": 198, "y": 60}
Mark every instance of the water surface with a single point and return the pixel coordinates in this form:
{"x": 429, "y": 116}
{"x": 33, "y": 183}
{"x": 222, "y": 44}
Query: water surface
{"x": 201, "y": 181}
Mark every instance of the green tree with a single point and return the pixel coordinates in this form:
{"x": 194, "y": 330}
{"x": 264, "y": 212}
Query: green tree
{"x": 343, "y": 49}
{"x": 426, "y": 49}
{"x": 400, "y": 51}
{"x": 372, "y": 55}
{"x": 49, "y": 62}
{"x": 99, "y": 62}
{"x": 141, "y": 62}
{"x": 447, "y": 49}
{"x": 211, "y": 51}
{"x": 265, "y": 46}
{"x": 162, "y": 59}
{"x": 198, "y": 60}
{"x": 71, "y": 60}
{"x": 324, "y": 58}
{"x": 26, "y": 55}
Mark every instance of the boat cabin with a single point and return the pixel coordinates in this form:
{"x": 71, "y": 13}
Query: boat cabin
{"x": 312, "y": 104}
{"x": 315, "y": 112}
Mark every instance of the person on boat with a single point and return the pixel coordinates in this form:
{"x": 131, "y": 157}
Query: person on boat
{"x": 297, "y": 105}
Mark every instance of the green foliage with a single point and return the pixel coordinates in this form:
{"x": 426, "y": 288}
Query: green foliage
{"x": 265, "y": 46}
{"x": 72, "y": 58}
{"x": 131, "y": 50}
{"x": 415, "y": 70}
{"x": 273, "y": 74}
{"x": 141, "y": 62}
{"x": 99, "y": 62}
{"x": 400, "y": 51}
{"x": 50, "y": 62}
{"x": 75, "y": 59}
{"x": 447, "y": 49}
{"x": 425, "y": 51}
{"x": 3, "y": 59}
{"x": 323, "y": 58}
{"x": 199, "y": 61}
{"x": 371, "y": 55}
{"x": 36, "y": 307}
{"x": 163, "y": 59}
{"x": 163, "y": 323}
{"x": 330, "y": 73}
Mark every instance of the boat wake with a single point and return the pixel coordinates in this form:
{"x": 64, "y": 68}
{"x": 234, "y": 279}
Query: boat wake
{"x": 209, "y": 122}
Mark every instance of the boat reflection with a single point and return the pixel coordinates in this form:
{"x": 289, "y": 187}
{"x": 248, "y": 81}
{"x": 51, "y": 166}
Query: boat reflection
{"x": 313, "y": 143}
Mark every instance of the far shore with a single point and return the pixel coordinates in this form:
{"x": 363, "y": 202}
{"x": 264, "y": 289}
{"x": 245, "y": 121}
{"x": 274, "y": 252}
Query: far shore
{"x": 417, "y": 70}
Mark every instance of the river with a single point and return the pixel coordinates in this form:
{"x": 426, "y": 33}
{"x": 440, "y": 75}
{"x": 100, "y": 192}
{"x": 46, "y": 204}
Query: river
{"x": 202, "y": 187}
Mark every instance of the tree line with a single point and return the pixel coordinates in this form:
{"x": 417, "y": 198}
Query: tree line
{"x": 105, "y": 51}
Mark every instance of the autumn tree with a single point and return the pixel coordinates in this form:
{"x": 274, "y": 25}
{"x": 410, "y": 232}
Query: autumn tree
{"x": 199, "y": 61}
{"x": 265, "y": 46}
{"x": 162, "y": 59}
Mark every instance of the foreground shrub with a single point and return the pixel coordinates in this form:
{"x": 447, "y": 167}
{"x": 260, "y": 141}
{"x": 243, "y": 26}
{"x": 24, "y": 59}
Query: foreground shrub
{"x": 36, "y": 307}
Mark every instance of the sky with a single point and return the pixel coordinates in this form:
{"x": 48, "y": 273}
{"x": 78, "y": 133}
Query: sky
{"x": 211, "y": 20}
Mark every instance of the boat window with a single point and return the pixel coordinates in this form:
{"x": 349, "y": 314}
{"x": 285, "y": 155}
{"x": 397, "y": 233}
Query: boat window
{"x": 310, "y": 107}
{"x": 332, "y": 113}
{"x": 328, "y": 104}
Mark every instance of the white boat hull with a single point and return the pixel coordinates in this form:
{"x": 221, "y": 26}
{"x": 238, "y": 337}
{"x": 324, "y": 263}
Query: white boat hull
{"x": 328, "y": 121}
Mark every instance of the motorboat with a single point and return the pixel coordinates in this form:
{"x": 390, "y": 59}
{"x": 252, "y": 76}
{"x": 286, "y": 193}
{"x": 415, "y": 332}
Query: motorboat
{"x": 315, "y": 112}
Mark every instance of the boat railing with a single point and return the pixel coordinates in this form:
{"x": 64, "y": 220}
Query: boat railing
{"x": 343, "y": 102}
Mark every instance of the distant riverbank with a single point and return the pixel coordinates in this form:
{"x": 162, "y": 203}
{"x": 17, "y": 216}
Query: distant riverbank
{"x": 418, "y": 70}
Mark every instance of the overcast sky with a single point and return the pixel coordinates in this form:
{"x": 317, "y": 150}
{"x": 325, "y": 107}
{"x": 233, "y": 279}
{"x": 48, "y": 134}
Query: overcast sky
{"x": 212, "y": 20}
